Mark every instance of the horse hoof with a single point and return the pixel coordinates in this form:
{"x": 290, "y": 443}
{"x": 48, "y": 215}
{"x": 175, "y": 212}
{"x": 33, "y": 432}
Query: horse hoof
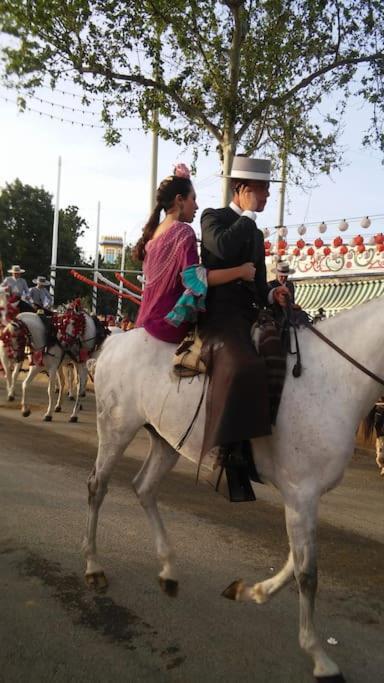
{"x": 73, "y": 418}
{"x": 10, "y": 398}
{"x": 58, "y": 409}
{"x": 26, "y": 413}
{"x": 234, "y": 590}
{"x": 336, "y": 678}
{"x": 169, "y": 586}
{"x": 47, "y": 418}
{"x": 96, "y": 581}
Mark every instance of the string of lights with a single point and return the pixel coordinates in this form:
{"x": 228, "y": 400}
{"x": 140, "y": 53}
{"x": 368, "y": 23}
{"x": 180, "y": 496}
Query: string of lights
{"x": 62, "y": 119}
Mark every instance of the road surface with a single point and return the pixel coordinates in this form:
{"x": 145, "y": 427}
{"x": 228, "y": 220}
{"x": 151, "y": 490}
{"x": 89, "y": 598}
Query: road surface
{"x": 53, "y": 629}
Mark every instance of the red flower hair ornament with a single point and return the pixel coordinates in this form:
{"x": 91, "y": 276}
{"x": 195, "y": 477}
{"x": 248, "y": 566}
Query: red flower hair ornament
{"x": 182, "y": 171}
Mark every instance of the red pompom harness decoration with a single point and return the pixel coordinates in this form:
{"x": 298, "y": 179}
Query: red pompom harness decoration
{"x": 15, "y": 339}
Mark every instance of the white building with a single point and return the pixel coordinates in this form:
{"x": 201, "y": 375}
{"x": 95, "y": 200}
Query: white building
{"x": 110, "y": 248}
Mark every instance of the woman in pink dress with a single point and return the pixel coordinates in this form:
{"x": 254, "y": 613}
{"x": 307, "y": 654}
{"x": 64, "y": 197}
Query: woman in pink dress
{"x": 169, "y": 247}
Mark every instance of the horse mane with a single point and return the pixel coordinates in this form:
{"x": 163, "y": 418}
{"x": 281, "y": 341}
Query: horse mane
{"x": 369, "y": 423}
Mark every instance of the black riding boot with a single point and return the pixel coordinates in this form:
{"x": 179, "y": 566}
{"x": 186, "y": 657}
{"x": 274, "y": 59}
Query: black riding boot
{"x": 232, "y": 478}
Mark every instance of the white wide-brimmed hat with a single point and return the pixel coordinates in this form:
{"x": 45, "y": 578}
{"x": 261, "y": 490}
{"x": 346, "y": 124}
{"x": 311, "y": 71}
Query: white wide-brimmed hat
{"x": 244, "y": 168}
{"x": 16, "y": 269}
{"x": 40, "y": 280}
{"x": 284, "y": 268}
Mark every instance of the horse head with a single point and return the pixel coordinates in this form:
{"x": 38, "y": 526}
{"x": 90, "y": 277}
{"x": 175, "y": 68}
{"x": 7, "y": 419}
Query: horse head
{"x": 15, "y": 337}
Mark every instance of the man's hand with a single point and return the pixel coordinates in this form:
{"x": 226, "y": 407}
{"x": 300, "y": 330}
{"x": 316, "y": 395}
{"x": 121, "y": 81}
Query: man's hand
{"x": 247, "y": 199}
{"x": 281, "y": 296}
{"x": 247, "y": 272}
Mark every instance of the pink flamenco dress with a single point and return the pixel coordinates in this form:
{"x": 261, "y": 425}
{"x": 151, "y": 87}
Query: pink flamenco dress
{"x": 172, "y": 298}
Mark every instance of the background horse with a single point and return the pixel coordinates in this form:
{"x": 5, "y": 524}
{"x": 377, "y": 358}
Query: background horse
{"x": 305, "y": 457}
{"x": 375, "y": 422}
{"x": 49, "y": 359}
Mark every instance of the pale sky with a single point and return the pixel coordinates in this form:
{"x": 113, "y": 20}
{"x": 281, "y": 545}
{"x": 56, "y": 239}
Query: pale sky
{"x": 118, "y": 177}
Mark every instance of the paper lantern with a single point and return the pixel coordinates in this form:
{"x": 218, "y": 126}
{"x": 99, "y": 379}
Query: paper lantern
{"x": 267, "y": 252}
{"x": 318, "y": 243}
{"x": 310, "y": 251}
{"x": 322, "y": 227}
{"x": 361, "y": 248}
{"x": 267, "y": 245}
{"x": 338, "y": 241}
{"x": 365, "y": 222}
{"x": 343, "y": 249}
{"x": 300, "y": 244}
{"x": 281, "y": 252}
{"x": 283, "y": 232}
{"x": 358, "y": 240}
{"x": 343, "y": 225}
{"x": 326, "y": 251}
{"x": 302, "y": 229}
{"x": 281, "y": 244}
{"x": 266, "y": 233}
{"x": 379, "y": 238}
{"x": 296, "y": 251}
{"x": 380, "y": 247}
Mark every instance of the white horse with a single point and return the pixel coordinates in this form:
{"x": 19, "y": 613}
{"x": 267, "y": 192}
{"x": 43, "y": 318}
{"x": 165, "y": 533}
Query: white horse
{"x": 304, "y": 458}
{"x": 50, "y": 361}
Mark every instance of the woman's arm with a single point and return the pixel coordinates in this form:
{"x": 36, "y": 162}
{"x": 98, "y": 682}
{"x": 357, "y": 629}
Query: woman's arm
{"x": 224, "y": 275}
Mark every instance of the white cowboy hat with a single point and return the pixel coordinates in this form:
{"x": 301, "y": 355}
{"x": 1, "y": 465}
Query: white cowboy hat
{"x": 40, "y": 280}
{"x": 16, "y": 269}
{"x": 244, "y": 168}
{"x": 283, "y": 268}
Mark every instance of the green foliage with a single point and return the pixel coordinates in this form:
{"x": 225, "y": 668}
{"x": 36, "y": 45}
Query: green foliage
{"x": 247, "y": 73}
{"x": 26, "y": 220}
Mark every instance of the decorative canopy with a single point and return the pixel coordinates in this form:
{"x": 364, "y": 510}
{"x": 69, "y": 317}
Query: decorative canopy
{"x": 334, "y": 297}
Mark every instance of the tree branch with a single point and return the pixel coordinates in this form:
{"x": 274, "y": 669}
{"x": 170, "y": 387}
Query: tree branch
{"x": 186, "y": 107}
{"x": 278, "y": 101}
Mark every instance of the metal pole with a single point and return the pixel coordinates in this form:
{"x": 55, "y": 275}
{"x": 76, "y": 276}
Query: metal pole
{"x": 55, "y": 235}
{"x": 94, "y": 289}
{"x": 280, "y": 216}
{"x": 120, "y": 299}
{"x": 154, "y": 162}
{"x": 281, "y": 207}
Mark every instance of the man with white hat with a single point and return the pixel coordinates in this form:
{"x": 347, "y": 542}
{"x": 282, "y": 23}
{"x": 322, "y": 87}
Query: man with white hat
{"x": 237, "y": 399}
{"x": 283, "y": 269}
{"x": 15, "y": 283}
{"x": 39, "y": 295}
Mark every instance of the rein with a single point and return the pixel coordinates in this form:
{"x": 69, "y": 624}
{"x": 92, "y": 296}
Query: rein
{"x": 345, "y": 355}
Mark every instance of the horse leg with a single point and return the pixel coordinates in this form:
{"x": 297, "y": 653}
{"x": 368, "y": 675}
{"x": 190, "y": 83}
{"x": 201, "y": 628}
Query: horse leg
{"x": 76, "y": 407}
{"x": 59, "y": 386}
{"x": 8, "y": 377}
{"x": 264, "y": 590}
{"x": 161, "y": 459}
{"x": 380, "y": 454}
{"x": 301, "y": 527}
{"x": 15, "y": 374}
{"x": 33, "y": 371}
{"x": 52, "y": 373}
{"x": 116, "y": 431}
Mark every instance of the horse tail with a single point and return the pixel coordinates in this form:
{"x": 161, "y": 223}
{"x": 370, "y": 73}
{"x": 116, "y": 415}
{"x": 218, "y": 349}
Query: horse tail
{"x": 369, "y": 423}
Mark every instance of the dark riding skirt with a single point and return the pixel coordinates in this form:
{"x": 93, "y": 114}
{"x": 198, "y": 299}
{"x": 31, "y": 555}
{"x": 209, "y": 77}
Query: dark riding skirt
{"x": 237, "y": 398}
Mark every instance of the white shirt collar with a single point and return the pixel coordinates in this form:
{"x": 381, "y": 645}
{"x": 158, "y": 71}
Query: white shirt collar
{"x": 235, "y": 208}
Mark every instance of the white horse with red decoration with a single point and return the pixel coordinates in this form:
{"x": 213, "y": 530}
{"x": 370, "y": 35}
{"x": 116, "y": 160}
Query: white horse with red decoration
{"x": 9, "y": 309}
{"x": 305, "y": 457}
{"x": 73, "y": 334}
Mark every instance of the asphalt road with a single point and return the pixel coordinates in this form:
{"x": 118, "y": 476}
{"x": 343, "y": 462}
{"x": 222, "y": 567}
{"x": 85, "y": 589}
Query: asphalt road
{"x": 53, "y": 629}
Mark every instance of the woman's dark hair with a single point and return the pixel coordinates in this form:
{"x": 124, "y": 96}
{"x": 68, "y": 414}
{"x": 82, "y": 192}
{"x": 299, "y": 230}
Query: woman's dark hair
{"x": 165, "y": 196}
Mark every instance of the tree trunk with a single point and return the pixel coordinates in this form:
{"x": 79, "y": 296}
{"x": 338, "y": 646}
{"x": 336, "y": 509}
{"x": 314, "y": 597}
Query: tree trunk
{"x": 228, "y": 152}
